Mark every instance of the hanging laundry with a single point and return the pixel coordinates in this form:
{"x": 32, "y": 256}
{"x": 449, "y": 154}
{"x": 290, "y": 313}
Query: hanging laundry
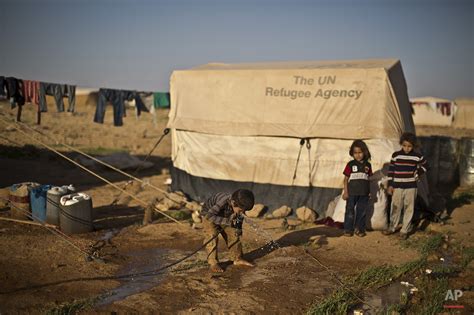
{"x": 70, "y": 92}
{"x": 58, "y": 91}
{"x": 117, "y": 98}
{"x": 14, "y": 91}
{"x": 133, "y": 95}
{"x": 31, "y": 91}
{"x": 161, "y": 100}
{"x": 3, "y": 84}
{"x": 445, "y": 108}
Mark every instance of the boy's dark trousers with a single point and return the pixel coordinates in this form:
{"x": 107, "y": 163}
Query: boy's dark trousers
{"x": 353, "y": 218}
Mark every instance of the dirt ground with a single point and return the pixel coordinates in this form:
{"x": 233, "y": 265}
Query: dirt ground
{"x": 40, "y": 271}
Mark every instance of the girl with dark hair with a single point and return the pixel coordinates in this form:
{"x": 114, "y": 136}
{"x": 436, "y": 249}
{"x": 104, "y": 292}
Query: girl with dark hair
{"x": 356, "y": 188}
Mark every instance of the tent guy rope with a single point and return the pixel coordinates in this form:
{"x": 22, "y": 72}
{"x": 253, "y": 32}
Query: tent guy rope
{"x": 88, "y": 170}
{"x": 144, "y": 184}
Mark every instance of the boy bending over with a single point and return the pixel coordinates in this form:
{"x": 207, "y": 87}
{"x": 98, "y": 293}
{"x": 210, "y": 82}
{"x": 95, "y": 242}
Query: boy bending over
{"x": 223, "y": 214}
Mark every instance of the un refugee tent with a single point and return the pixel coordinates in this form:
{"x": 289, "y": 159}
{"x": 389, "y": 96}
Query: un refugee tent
{"x": 464, "y": 118}
{"x": 241, "y": 125}
{"x": 432, "y": 111}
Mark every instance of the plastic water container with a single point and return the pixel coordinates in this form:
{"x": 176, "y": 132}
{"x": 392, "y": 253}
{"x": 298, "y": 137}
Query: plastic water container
{"x": 69, "y": 189}
{"x": 75, "y": 215}
{"x": 52, "y": 204}
{"x": 38, "y": 202}
{"x": 20, "y": 200}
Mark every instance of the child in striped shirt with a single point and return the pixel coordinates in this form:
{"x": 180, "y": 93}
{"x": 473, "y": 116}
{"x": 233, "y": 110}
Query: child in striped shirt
{"x": 406, "y": 167}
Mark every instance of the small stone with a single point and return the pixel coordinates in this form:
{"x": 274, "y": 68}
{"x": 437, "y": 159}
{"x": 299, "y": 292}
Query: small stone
{"x": 281, "y": 212}
{"x": 255, "y": 211}
{"x": 196, "y": 217}
{"x": 306, "y": 214}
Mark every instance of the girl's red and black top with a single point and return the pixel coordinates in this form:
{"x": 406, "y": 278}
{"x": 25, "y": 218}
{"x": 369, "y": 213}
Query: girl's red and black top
{"x": 358, "y": 173}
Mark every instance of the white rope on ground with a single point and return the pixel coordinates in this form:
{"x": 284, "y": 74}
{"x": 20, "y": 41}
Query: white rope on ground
{"x": 91, "y": 172}
{"x": 144, "y": 184}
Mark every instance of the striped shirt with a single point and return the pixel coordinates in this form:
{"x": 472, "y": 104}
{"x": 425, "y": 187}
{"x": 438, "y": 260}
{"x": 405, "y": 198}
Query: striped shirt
{"x": 218, "y": 209}
{"x": 405, "y": 168}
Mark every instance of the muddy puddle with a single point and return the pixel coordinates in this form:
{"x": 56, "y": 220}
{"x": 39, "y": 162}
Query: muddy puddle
{"x": 141, "y": 261}
{"x": 388, "y": 295}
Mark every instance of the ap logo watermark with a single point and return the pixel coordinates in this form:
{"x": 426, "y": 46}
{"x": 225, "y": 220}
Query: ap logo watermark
{"x": 453, "y": 296}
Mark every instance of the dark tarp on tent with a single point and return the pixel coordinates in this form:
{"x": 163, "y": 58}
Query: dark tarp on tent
{"x": 272, "y": 196}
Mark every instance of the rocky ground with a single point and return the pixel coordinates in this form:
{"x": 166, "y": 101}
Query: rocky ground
{"x": 41, "y": 272}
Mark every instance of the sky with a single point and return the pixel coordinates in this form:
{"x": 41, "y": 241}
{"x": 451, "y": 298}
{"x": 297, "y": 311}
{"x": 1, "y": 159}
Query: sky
{"x": 136, "y": 44}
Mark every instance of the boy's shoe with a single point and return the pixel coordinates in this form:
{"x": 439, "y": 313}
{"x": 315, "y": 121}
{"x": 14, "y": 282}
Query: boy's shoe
{"x": 215, "y": 268}
{"x": 403, "y": 236}
{"x": 347, "y": 233}
{"x": 387, "y": 232}
{"x": 360, "y": 233}
{"x": 243, "y": 262}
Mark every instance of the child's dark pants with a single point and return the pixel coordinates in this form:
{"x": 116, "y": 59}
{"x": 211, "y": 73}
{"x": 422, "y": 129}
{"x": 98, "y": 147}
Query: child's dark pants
{"x": 359, "y": 221}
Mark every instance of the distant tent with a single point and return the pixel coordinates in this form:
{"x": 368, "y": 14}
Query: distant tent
{"x": 464, "y": 118}
{"x": 161, "y": 100}
{"x": 432, "y": 111}
{"x": 283, "y": 129}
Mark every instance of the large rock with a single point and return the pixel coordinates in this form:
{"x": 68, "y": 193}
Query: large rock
{"x": 255, "y": 211}
{"x": 173, "y": 201}
{"x": 306, "y": 214}
{"x": 281, "y": 212}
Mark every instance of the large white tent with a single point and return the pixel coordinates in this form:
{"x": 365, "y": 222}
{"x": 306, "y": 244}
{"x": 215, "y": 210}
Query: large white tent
{"x": 242, "y": 125}
{"x": 464, "y": 118}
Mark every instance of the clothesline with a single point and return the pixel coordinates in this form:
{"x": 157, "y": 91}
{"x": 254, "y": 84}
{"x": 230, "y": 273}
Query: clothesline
{"x": 19, "y": 92}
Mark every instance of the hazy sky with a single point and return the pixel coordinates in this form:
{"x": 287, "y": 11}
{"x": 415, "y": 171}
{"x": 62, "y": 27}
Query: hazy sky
{"x": 136, "y": 44}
